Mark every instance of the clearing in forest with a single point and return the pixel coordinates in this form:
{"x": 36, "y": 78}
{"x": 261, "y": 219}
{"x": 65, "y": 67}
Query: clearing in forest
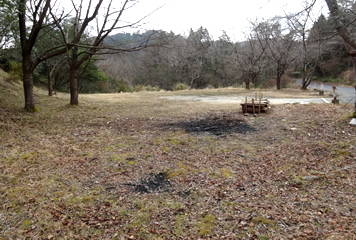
{"x": 139, "y": 166}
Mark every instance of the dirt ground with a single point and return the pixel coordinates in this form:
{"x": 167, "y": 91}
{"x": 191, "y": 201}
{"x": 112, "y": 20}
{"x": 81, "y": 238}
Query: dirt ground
{"x": 139, "y": 166}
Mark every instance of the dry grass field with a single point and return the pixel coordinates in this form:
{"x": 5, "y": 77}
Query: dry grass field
{"x": 139, "y": 166}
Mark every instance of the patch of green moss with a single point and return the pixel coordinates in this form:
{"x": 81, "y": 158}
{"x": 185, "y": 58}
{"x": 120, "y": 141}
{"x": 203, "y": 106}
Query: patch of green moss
{"x": 341, "y": 150}
{"x": 179, "y": 225}
{"x": 175, "y": 141}
{"x": 226, "y": 173}
{"x": 33, "y": 110}
{"x": 262, "y": 220}
{"x": 28, "y": 155}
{"x": 297, "y": 180}
{"x": 206, "y": 225}
{"x": 26, "y": 224}
{"x": 183, "y": 171}
{"x": 84, "y": 199}
{"x": 141, "y": 219}
{"x": 130, "y": 163}
{"x": 157, "y": 142}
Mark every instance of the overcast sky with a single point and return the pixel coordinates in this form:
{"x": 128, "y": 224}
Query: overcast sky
{"x": 230, "y": 15}
{"x": 233, "y": 16}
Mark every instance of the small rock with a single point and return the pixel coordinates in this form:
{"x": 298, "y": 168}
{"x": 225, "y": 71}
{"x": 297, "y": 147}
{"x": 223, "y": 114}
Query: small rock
{"x": 353, "y": 122}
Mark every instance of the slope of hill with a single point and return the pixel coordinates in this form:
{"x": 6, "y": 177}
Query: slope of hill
{"x": 10, "y": 91}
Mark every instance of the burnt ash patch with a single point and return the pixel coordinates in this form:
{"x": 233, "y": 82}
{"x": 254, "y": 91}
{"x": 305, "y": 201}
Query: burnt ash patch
{"x": 216, "y": 125}
{"x": 152, "y": 183}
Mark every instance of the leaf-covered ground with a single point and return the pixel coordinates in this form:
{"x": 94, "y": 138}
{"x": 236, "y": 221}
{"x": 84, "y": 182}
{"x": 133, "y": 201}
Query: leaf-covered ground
{"x": 143, "y": 167}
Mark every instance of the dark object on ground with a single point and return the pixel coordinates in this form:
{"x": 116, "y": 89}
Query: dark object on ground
{"x": 152, "y": 183}
{"x": 335, "y": 101}
{"x": 215, "y": 124}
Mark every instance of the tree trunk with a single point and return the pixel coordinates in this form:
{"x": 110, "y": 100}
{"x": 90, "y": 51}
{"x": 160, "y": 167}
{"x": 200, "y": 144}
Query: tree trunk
{"x": 354, "y": 64}
{"x": 280, "y": 72}
{"x": 305, "y": 83}
{"x": 191, "y": 83}
{"x": 307, "y": 78}
{"x": 351, "y": 51}
{"x": 74, "y": 96}
{"x": 247, "y": 83}
{"x": 49, "y": 76}
{"x": 279, "y": 77}
{"x": 28, "y": 87}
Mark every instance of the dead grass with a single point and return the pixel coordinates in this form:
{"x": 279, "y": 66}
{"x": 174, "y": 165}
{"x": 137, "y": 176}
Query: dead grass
{"x": 77, "y": 172}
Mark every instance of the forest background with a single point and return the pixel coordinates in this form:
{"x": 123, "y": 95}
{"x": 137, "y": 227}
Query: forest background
{"x": 274, "y": 52}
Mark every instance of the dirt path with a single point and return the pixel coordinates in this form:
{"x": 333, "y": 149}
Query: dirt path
{"x": 238, "y": 99}
{"x": 344, "y": 94}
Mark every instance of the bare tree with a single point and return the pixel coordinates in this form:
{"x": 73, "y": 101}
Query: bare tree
{"x": 83, "y": 48}
{"x": 36, "y": 14}
{"x": 224, "y": 67}
{"x": 310, "y": 50}
{"x": 249, "y": 56}
{"x": 280, "y": 45}
{"x": 195, "y": 54}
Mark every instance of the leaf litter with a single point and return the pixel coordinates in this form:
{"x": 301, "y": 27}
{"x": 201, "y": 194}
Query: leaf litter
{"x": 104, "y": 171}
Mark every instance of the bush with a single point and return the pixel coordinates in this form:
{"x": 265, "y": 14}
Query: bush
{"x": 149, "y": 88}
{"x": 16, "y": 69}
{"x": 348, "y": 77}
{"x": 180, "y": 87}
{"x": 138, "y": 88}
{"x": 123, "y": 86}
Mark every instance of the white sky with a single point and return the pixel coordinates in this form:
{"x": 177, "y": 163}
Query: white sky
{"x": 230, "y": 15}
{"x": 233, "y": 16}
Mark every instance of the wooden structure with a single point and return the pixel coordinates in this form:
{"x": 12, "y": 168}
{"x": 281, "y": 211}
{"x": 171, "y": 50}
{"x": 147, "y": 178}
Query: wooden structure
{"x": 255, "y": 105}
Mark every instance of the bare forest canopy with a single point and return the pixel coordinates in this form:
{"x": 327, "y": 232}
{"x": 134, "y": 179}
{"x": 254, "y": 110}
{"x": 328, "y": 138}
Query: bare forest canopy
{"x": 198, "y": 61}
{"x": 63, "y": 52}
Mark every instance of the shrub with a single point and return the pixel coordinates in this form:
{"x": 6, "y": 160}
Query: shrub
{"x": 123, "y": 86}
{"x": 149, "y": 88}
{"x": 180, "y": 87}
{"x": 348, "y": 77}
{"x": 16, "y": 69}
{"x": 138, "y": 88}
